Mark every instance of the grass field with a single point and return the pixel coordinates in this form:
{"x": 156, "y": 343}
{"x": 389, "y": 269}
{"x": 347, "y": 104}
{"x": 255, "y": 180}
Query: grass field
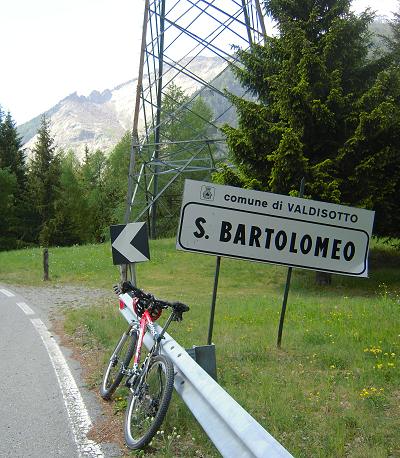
{"x": 333, "y": 388}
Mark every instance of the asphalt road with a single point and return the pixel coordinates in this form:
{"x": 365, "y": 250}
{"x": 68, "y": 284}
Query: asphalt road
{"x": 42, "y": 413}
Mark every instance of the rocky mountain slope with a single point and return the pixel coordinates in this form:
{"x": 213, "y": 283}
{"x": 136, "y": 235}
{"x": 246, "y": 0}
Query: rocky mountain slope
{"x": 99, "y": 120}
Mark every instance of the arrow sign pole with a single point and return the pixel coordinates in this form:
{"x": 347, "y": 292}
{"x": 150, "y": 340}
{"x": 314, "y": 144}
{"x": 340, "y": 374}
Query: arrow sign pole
{"x": 129, "y": 243}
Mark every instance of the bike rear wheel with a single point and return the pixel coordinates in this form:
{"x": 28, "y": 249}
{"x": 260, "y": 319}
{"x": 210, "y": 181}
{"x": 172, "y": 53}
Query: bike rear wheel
{"x": 120, "y": 359}
{"x": 149, "y": 402}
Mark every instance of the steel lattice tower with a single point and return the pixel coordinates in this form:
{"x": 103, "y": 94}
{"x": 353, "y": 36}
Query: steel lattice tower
{"x": 182, "y": 41}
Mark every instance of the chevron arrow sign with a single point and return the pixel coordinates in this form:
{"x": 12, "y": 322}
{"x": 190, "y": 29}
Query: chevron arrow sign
{"x": 129, "y": 243}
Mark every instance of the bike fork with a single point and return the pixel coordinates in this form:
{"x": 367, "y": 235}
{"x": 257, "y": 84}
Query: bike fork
{"x": 120, "y": 344}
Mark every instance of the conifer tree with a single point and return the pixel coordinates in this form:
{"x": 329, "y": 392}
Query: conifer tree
{"x": 393, "y": 41}
{"x": 8, "y": 186}
{"x": 71, "y": 209}
{"x": 321, "y": 94}
{"x": 116, "y": 178}
{"x": 44, "y": 178}
{"x": 11, "y": 152}
{"x": 98, "y": 209}
{"x": 12, "y": 161}
{"x": 371, "y": 158}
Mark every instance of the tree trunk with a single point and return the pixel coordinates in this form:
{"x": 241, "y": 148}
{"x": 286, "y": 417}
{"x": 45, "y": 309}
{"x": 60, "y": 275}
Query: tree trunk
{"x": 323, "y": 278}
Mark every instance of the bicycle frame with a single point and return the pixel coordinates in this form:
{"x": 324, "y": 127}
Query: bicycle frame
{"x": 146, "y": 322}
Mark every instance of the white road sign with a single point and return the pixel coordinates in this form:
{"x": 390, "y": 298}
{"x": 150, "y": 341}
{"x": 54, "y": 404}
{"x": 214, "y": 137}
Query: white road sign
{"x": 265, "y": 227}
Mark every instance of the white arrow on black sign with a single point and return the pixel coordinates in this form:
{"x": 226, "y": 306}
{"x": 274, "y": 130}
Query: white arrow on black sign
{"x": 129, "y": 243}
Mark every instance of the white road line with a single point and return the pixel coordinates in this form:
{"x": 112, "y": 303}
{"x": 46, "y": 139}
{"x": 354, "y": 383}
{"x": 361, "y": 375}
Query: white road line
{"x": 25, "y": 308}
{"x": 78, "y": 415}
{"x": 7, "y": 293}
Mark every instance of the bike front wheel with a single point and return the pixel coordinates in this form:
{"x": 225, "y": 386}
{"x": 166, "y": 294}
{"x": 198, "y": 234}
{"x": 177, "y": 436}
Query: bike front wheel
{"x": 120, "y": 359}
{"x": 148, "y": 403}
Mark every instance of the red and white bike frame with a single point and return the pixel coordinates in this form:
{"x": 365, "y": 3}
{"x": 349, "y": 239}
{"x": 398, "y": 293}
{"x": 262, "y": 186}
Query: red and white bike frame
{"x": 145, "y": 323}
{"x": 127, "y": 307}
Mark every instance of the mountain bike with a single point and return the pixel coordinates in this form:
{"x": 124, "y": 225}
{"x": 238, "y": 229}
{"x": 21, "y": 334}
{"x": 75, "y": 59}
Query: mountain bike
{"x": 150, "y": 382}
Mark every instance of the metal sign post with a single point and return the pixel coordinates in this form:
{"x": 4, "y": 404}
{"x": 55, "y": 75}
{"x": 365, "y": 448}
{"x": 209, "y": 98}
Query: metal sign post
{"x": 213, "y": 301}
{"x": 287, "y": 286}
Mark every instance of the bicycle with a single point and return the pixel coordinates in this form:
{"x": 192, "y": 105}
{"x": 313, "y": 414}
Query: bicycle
{"x": 150, "y": 382}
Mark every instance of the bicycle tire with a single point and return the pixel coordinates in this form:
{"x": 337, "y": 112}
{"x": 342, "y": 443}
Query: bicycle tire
{"x": 145, "y": 412}
{"x": 112, "y": 378}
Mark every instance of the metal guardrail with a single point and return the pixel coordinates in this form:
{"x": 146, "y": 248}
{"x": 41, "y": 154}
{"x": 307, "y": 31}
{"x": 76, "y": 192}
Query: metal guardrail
{"x": 234, "y": 432}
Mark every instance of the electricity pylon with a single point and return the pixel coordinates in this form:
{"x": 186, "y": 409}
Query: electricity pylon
{"x": 187, "y": 45}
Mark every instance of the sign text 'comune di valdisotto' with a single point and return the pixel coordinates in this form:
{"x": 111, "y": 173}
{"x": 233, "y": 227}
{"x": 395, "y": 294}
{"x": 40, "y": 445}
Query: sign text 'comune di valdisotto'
{"x": 265, "y": 227}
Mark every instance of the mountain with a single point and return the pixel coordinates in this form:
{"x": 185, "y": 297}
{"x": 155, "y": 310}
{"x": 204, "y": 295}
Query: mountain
{"x": 100, "y": 119}
{"x": 77, "y": 121}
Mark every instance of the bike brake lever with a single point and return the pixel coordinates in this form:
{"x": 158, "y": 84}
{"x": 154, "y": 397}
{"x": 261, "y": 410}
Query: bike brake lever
{"x": 178, "y": 316}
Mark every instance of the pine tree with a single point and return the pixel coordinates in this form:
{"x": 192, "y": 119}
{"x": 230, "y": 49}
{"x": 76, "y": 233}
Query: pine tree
{"x": 371, "y": 158}
{"x": 71, "y": 209}
{"x": 393, "y": 42}
{"x": 44, "y": 178}
{"x": 12, "y": 160}
{"x": 99, "y": 211}
{"x": 11, "y": 153}
{"x": 116, "y": 178}
{"x": 1, "y": 135}
{"x": 316, "y": 83}
{"x": 8, "y": 186}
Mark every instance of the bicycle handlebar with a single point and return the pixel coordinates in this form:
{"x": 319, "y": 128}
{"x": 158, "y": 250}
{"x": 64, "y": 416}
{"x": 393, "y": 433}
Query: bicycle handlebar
{"x": 178, "y": 307}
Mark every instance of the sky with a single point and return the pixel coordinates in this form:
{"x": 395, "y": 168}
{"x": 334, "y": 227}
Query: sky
{"x": 52, "y": 48}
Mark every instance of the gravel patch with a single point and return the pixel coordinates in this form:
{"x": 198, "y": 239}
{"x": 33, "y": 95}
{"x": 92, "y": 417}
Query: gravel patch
{"x": 50, "y": 299}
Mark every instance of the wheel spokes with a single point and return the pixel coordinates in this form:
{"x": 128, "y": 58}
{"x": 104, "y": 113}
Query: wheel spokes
{"x": 147, "y": 402}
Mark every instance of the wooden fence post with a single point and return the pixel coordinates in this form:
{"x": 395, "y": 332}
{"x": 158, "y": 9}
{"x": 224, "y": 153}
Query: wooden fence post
{"x": 45, "y": 264}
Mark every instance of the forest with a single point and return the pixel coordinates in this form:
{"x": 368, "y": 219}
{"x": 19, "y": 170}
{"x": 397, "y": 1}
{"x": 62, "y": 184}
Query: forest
{"x": 52, "y": 199}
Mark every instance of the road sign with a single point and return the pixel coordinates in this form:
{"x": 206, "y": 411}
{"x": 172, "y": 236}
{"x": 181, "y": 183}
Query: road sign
{"x": 129, "y": 243}
{"x": 265, "y": 227}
